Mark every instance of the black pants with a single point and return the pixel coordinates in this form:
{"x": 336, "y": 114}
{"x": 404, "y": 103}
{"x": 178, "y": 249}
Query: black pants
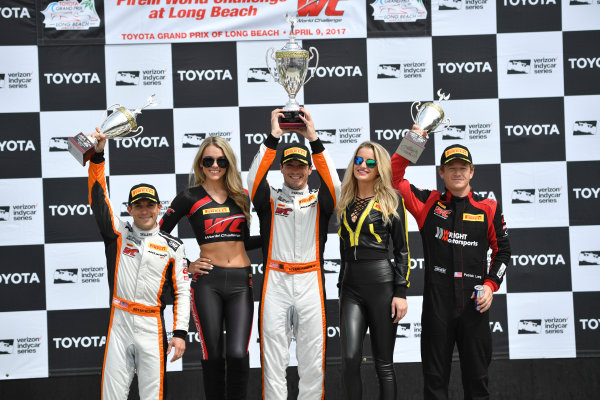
{"x": 365, "y": 302}
{"x": 224, "y": 296}
{"x": 443, "y": 326}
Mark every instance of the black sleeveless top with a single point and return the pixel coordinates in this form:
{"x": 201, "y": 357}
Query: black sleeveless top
{"x": 210, "y": 220}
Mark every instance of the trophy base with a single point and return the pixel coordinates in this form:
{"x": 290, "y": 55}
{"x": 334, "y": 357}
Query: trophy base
{"x": 411, "y": 146}
{"x": 291, "y": 120}
{"x": 82, "y": 148}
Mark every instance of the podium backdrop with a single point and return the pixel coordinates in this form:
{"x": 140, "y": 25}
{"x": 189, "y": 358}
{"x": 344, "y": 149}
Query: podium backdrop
{"x": 524, "y": 80}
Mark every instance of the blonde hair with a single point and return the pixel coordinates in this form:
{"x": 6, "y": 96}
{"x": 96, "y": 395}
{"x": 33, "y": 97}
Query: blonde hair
{"x": 232, "y": 179}
{"x": 385, "y": 194}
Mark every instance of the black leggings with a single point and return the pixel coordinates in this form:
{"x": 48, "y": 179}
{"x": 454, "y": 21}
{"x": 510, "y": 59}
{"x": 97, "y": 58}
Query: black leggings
{"x": 224, "y": 295}
{"x": 364, "y": 303}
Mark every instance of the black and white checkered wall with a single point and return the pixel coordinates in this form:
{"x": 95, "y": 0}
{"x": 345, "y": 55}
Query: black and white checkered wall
{"x": 524, "y": 79}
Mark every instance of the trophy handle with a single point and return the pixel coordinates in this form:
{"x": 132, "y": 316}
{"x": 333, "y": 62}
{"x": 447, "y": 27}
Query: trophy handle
{"x": 270, "y": 52}
{"x": 416, "y": 105}
{"x": 313, "y": 52}
{"x": 444, "y": 125}
{"x": 137, "y": 132}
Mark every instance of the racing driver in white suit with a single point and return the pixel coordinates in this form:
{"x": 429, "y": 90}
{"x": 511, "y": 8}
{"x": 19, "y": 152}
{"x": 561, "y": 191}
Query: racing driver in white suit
{"x": 144, "y": 264}
{"x": 293, "y": 225}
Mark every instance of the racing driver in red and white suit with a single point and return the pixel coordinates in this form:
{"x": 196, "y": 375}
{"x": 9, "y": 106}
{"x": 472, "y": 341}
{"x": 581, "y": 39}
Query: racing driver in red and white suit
{"x": 143, "y": 264}
{"x": 293, "y": 225}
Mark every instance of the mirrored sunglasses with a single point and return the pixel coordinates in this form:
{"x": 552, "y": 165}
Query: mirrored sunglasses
{"x": 370, "y": 162}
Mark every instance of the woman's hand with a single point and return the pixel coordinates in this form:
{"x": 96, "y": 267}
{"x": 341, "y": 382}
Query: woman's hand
{"x": 399, "y": 308}
{"x": 200, "y": 266}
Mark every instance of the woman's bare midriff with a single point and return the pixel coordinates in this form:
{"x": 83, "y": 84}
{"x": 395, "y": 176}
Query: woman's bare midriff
{"x": 225, "y": 254}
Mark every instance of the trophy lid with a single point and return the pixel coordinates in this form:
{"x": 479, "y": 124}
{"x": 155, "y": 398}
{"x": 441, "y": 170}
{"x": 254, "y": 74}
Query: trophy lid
{"x": 292, "y": 49}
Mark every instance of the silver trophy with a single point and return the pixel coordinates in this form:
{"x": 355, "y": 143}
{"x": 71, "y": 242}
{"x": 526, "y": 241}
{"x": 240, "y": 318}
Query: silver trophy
{"x": 116, "y": 125}
{"x": 429, "y": 117}
{"x": 291, "y": 63}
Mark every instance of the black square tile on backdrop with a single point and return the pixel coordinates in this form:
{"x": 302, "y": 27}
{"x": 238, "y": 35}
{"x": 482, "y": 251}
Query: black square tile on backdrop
{"x": 465, "y": 66}
{"x": 72, "y": 78}
{"x": 528, "y": 16}
{"x": 584, "y": 192}
{"x": 341, "y": 76}
{"x": 20, "y": 146}
{"x": 150, "y": 153}
{"x": 18, "y": 23}
{"x": 204, "y": 74}
{"x": 581, "y": 62}
{"x": 529, "y": 125}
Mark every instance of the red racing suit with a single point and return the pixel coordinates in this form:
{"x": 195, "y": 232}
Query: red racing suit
{"x": 293, "y": 225}
{"x": 142, "y": 266}
{"x": 456, "y": 235}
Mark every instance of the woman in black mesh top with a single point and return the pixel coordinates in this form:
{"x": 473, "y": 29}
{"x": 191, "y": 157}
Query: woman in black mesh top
{"x": 372, "y": 287}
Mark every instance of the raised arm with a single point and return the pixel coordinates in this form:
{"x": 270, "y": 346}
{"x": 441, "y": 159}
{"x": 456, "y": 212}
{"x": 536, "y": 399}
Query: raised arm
{"x": 106, "y": 219}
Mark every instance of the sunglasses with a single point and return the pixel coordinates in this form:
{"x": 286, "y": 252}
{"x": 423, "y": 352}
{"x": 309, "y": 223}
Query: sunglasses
{"x": 222, "y": 162}
{"x": 370, "y": 162}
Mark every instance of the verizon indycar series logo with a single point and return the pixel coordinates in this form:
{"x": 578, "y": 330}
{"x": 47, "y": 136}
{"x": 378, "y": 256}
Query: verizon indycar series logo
{"x": 453, "y": 5}
{"x": 542, "y": 65}
{"x": 474, "y": 131}
{"x": 71, "y": 15}
{"x": 194, "y": 140}
{"x": 398, "y": 10}
{"x": 66, "y": 275}
{"x": 150, "y": 77}
{"x": 407, "y": 70}
{"x": 518, "y": 67}
{"x": 589, "y": 257}
{"x": 20, "y": 212}
{"x": 544, "y": 195}
{"x": 584, "y": 128}
{"x": 24, "y": 345}
{"x": 257, "y": 74}
{"x": 530, "y": 326}
{"x": 547, "y": 326}
{"x": 408, "y": 330}
{"x": 58, "y": 144}
{"x": 7, "y": 346}
{"x": 15, "y": 80}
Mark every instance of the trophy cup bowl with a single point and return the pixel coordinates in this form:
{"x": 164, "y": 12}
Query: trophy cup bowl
{"x": 291, "y": 67}
{"x": 116, "y": 125}
{"x": 429, "y": 117}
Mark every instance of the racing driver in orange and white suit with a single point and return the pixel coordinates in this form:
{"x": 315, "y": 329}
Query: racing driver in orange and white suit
{"x": 293, "y": 225}
{"x": 144, "y": 264}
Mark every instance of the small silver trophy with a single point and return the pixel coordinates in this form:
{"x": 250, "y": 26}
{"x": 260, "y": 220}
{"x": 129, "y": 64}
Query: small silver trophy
{"x": 119, "y": 123}
{"x": 291, "y": 63}
{"x": 429, "y": 117}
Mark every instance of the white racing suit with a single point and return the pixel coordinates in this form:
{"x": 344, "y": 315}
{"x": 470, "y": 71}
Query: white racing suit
{"x": 293, "y": 226}
{"x": 143, "y": 267}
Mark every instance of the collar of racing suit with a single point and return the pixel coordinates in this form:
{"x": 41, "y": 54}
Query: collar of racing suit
{"x": 142, "y": 234}
{"x": 292, "y": 192}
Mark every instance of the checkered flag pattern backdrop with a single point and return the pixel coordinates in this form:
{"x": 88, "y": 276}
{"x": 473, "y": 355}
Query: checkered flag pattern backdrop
{"x": 524, "y": 80}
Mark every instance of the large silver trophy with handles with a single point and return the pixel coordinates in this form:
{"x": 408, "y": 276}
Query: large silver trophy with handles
{"x": 429, "y": 117}
{"x": 291, "y": 66}
{"x": 116, "y": 125}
